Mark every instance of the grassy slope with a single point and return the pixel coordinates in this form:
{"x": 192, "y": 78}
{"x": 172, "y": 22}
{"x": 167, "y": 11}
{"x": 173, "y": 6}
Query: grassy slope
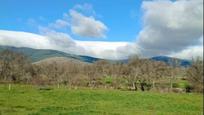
{"x": 30, "y": 100}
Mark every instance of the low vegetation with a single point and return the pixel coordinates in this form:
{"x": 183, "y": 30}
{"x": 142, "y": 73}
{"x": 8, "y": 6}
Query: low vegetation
{"x": 50, "y": 100}
{"x": 49, "y": 87}
{"x": 137, "y": 75}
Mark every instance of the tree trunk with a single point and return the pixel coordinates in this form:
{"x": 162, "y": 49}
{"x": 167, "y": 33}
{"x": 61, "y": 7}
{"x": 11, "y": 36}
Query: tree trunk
{"x": 171, "y": 84}
{"x": 142, "y": 86}
{"x": 134, "y": 85}
{"x": 153, "y": 84}
{"x": 58, "y": 86}
{"x": 9, "y": 87}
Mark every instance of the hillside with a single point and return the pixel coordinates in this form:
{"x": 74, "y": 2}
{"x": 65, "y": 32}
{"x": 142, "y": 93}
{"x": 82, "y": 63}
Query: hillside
{"x": 41, "y": 54}
{"x": 172, "y": 61}
{"x": 59, "y": 60}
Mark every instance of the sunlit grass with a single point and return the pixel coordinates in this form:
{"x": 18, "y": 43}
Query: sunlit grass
{"x": 26, "y": 99}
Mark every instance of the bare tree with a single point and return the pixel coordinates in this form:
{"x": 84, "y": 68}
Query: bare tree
{"x": 14, "y": 67}
{"x": 195, "y": 75}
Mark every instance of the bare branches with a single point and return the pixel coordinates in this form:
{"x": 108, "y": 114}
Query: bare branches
{"x": 195, "y": 75}
{"x": 137, "y": 74}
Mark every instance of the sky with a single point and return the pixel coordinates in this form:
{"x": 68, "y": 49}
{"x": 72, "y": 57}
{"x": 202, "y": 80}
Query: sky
{"x": 121, "y": 17}
{"x": 110, "y": 29}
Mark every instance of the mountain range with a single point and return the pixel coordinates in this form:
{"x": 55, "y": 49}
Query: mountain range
{"x": 40, "y": 54}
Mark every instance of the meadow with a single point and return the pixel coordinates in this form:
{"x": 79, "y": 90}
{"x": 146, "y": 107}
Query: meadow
{"x": 33, "y": 100}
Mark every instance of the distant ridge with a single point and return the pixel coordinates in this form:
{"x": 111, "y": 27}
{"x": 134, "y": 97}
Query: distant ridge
{"x": 40, "y": 54}
{"x": 172, "y": 61}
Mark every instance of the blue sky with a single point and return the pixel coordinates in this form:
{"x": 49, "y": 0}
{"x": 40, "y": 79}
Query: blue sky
{"x": 122, "y": 17}
{"x": 110, "y": 29}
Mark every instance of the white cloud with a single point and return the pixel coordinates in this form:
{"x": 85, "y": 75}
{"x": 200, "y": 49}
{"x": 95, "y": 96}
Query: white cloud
{"x": 81, "y": 21}
{"x": 78, "y": 23}
{"x": 59, "y": 24}
{"x": 85, "y": 8}
{"x": 107, "y": 50}
{"x": 62, "y": 42}
{"x": 191, "y": 51}
{"x": 87, "y": 26}
{"x": 23, "y": 39}
{"x": 170, "y": 26}
{"x": 51, "y": 40}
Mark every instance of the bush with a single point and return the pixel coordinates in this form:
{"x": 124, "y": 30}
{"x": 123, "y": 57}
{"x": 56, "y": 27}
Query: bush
{"x": 188, "y": 88}
{"x": 108, "y": 80}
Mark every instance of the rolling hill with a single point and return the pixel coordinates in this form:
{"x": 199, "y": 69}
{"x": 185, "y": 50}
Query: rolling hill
{"x": 172, "y": 61}
{"x": 40, "y": 54}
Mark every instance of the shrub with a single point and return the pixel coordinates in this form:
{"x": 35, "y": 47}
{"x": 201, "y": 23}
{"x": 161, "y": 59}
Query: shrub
{"x": 108, "y": 80}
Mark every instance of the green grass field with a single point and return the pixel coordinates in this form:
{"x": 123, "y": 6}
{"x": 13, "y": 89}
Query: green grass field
{"x": 29, "y": 100}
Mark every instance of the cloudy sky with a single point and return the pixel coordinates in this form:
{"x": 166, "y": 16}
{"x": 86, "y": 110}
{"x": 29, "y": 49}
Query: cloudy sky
{"x": 110, "y": 29}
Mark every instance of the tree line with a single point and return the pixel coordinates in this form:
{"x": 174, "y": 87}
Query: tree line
{"x": 137, "y": 74}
